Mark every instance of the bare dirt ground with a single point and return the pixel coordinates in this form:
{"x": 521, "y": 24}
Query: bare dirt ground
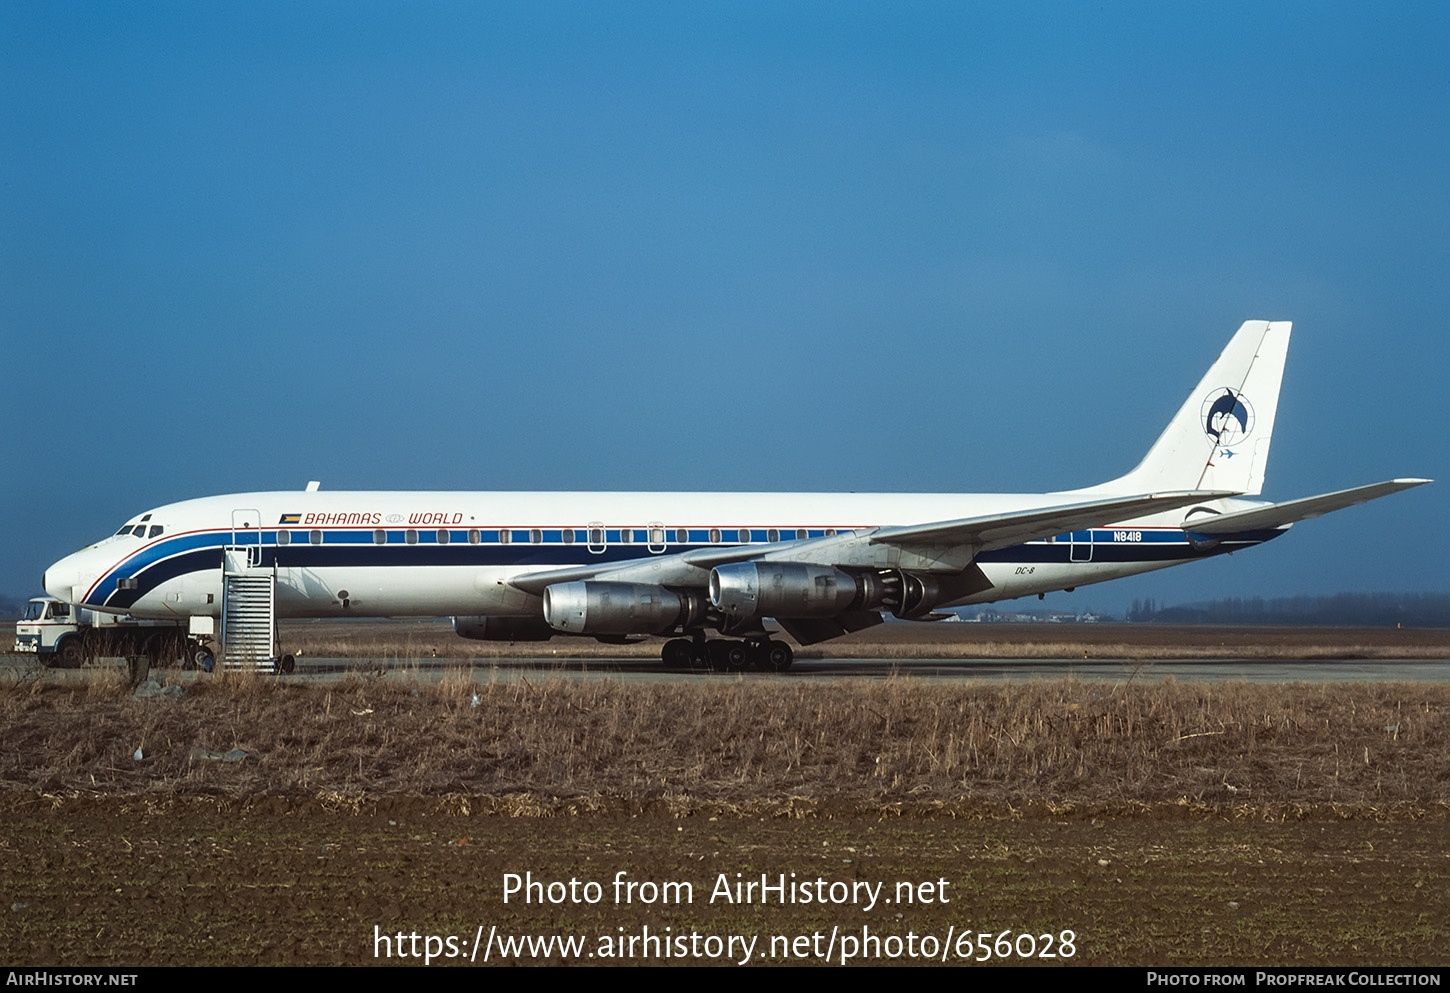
{"x": 1168, "y": 824}
{"x": 281, "y": 881}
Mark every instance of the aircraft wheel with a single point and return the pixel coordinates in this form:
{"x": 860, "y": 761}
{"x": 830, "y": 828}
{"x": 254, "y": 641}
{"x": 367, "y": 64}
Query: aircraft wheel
{"x": 714, "y": 657}
{"x": 699, "y": 655}
{"x": 722, "y": 655}
{"x": 777, "y": 656}
{"x": 728, "y": 656}
{"x": 737, "y": 656}
{"x": 677, "y": 653}
{"x": 286, "y": 665}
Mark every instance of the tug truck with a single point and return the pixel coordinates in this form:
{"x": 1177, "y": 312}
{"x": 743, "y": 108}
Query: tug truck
{"x": 67, "y": 636}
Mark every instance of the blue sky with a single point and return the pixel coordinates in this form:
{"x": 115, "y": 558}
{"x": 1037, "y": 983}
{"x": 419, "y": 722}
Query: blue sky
{"x": 945, "y": 247}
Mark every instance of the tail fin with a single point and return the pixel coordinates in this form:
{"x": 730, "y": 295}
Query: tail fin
{"x": 1219, "y": 439}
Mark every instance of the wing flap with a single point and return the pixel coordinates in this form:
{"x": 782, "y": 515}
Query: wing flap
{"x": 811, "y": 631}
{"x": 1281, "y": 514}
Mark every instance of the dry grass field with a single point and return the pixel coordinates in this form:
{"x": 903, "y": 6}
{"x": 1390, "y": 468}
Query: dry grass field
{"x": 747, "y": 743}
{"x": 1161, "y": 824}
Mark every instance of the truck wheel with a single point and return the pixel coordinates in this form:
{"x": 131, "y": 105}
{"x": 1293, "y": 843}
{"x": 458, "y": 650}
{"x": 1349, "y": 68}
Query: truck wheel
{"x": 69, "y": 654}
{"x": 200, "y": 657}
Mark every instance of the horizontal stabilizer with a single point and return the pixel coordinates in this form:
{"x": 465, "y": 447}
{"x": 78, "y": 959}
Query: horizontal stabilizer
{"x": 1004, "y": 530}
{"x": 1279, "y": 514}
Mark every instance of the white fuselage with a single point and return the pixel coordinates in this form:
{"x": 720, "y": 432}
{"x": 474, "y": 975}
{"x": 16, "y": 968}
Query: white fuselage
{"x": 438, "y": 553}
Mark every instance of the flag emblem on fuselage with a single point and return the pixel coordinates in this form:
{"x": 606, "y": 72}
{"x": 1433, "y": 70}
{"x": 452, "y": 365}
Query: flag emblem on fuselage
{"x": 291, "y": 519}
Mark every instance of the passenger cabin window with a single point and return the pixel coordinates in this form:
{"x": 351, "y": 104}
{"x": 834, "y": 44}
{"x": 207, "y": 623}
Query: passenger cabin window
{"x": 714, "y": 536}
{"x": 773, "y": 534}
{"x": 505, "y": 536}
{"x": 284, "y": 537}
{"x": 443, "y": 537}
{"x": 596, "y": 536}
{"x": 535, "y": 536}
{"x": 743, "y": 535}
{"x": 656, "y": 536}
{"x": 800, "y": 533}
{"x": 475, "y": 536}
{"x": 315, "y": 537}
{"x": 380, "y": 537}
{"x": 410, "y": 536}
{"x": 568, "y": 534}
{"x": 681, "y": 536}
{"x": 626, "y": 535}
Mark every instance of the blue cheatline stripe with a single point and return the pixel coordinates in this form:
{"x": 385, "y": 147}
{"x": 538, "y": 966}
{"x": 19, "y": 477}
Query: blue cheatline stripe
{"x": 167, "y": 559}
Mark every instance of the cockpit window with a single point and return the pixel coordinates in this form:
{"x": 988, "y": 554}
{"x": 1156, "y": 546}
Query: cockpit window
{"x": 139, "y": 530}
{"x": 156, "y": 530}
{"x": 125, "y": 530}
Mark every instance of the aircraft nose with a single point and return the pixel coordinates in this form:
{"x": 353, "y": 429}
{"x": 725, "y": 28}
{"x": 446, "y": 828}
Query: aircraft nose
{"x": 60, "y": 577}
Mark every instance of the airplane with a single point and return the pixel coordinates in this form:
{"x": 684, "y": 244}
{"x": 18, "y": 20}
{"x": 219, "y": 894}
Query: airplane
{"x": 616, "y": 565}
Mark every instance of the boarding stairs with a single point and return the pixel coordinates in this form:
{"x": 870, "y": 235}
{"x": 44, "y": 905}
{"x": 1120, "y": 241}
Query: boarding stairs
{"x": 249, "y": 611}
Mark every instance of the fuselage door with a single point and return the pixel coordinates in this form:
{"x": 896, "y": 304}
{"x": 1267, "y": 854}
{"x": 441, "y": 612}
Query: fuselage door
{"x": 247, "y": 533}
{"x": 597, "y": 542}
{"x": 1081, "y": 549}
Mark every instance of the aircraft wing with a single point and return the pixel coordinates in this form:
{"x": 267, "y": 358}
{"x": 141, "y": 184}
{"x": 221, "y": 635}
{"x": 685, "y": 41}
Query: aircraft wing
{"x": 977, "y": 533}
{"x": 1277, "y": 515}
{"x": 670, "y": 570}
{"x": 1004, "y": 530}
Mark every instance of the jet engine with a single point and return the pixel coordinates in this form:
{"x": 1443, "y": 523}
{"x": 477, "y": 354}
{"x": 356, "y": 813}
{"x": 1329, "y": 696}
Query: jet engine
{"x": 782, "y": 589}
{"x": 793, "y": 590}
{"x": 919, "y": 594}
{"x": 614, "y": 608}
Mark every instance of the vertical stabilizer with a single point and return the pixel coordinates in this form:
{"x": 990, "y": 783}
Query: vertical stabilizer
{"x": 1219, "y": 439}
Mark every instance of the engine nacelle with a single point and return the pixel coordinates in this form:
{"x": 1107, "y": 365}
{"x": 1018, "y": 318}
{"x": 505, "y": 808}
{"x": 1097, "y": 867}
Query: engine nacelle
{"x": 611, "y": 608}
{"x": 528, "y": 627}
{"x": 919, "y": 594}
{"x": 781, "y": 589}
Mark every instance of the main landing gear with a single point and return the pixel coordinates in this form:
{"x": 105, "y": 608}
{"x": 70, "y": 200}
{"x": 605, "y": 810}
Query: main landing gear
{"x": 726, "y": 655}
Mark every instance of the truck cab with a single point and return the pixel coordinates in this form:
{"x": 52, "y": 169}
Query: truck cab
{"x": 63, "y": 634}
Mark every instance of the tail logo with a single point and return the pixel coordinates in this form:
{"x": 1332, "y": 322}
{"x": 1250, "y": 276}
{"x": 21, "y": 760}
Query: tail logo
{"x": 1227, "y": 417}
